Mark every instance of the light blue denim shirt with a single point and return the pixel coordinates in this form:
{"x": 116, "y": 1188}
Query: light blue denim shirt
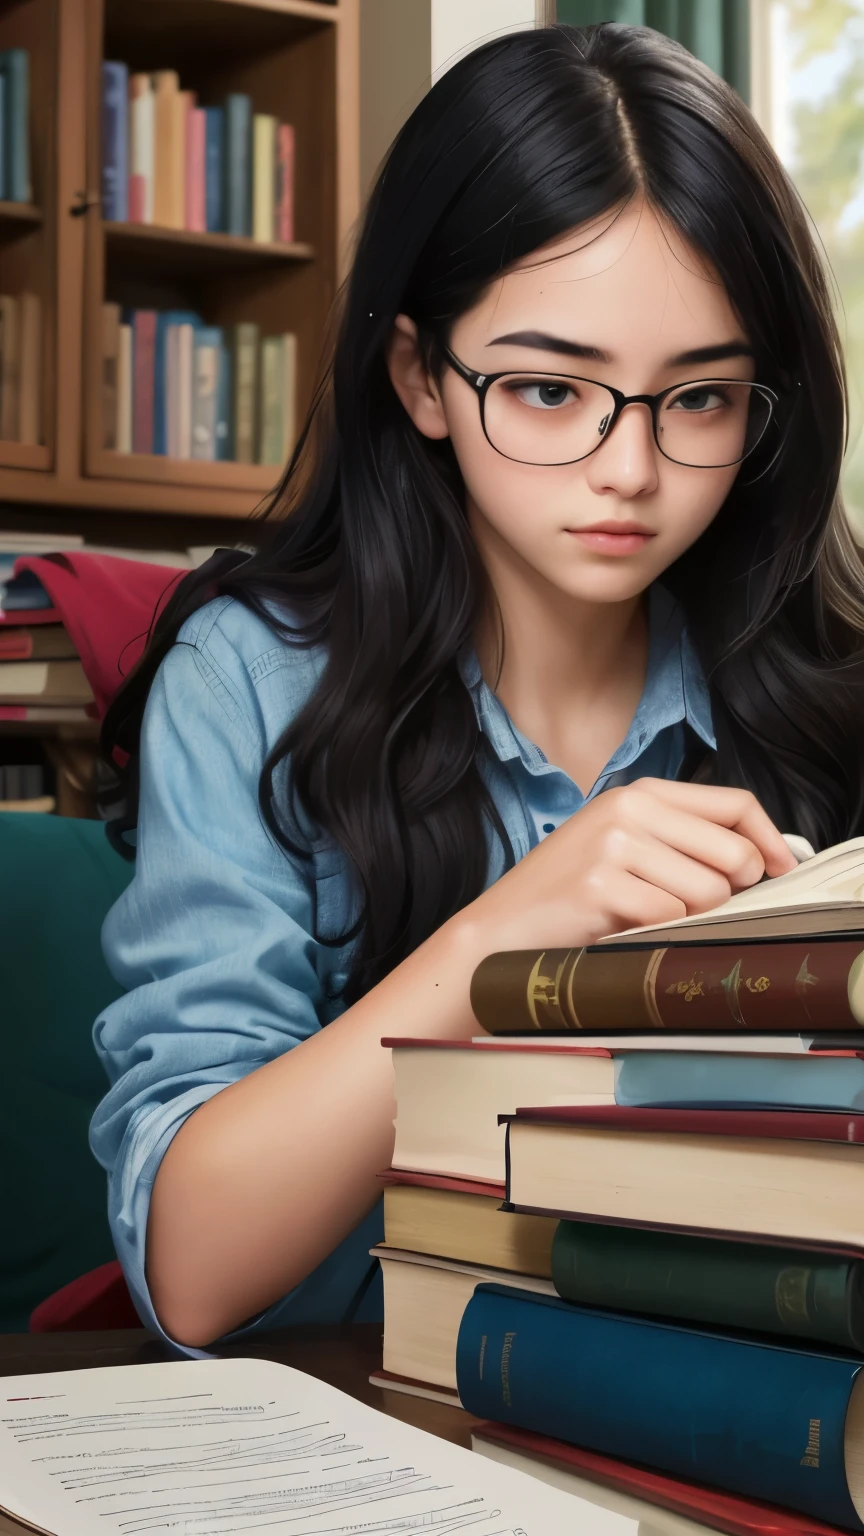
{"x": 214, "y": 936}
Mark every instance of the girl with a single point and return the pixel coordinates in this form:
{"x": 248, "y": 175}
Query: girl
{"x": 564, "y": 536}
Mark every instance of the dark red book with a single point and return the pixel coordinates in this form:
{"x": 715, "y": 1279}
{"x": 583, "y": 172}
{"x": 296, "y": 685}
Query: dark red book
{"x": 764, "y": 1124}
{"x": 721, "y": 1511}
{"x": 143, "y": 378}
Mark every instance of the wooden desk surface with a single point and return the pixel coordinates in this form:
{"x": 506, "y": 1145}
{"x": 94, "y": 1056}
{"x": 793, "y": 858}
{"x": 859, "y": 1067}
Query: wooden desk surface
{"x": 342, "y": 1355}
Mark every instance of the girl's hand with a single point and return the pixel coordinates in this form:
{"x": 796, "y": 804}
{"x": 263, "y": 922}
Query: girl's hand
{"x": 646, "y": 853}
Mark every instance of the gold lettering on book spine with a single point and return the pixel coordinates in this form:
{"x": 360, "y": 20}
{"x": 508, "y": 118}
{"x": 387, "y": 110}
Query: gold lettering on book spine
{"x": 543, "y": 995}
{"x": 814, "y": 1436}
{"x": 649, "y": 988}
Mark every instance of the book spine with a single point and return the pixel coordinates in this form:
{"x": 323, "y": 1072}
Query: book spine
{"x": 30, "y": 370}
{"x": 215, "y": 170}
{"x": 143, "y": 359}
{"x": 786, "y": 987}
{"x": 166, "y": 89}
{"x": 115, "y": 146}
{"x": 196, "y": 169}
{"x": 15, "y": 67}
{"x": 761, "y": 1420}
{"x": 245, "y": 392}
{"x": 706, "y": 1079}
{"x": 272, "y": 416}
{"x": 10, "y": 344}
{"x": 205, "y": 393}
{"x": 185, "y": 338}
{"x": 263, "y": 175}
{"x": 704, "y": 1280}
{"x": 124, "y": 390}
{"x": 224, "y": 434}
{"x": 289, "y": 395}
{"x": 238, "y": 165}
{"x": 285, "y": 183}
{"x": 141, "y": 149}
{"x": 182, "y": 104}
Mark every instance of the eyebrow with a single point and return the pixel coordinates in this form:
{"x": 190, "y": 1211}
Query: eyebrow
{"x": 541, "y": 342}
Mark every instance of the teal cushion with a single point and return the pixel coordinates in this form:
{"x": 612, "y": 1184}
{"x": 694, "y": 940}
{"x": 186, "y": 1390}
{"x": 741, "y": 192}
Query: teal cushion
{"x": 58, "y": 878}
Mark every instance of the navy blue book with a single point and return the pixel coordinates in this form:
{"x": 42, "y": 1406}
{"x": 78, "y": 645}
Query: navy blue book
{"x": 15, "y": 69}
{"x": 761, "y": 1419}
{"x": 165, "y": 318}
{"x": 214, "y": 170}
{"x": 238, "y": 164}
{"x": 115, "y": 141}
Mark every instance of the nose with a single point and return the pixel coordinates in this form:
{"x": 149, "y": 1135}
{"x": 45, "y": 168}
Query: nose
{"x": 627, "y": 462}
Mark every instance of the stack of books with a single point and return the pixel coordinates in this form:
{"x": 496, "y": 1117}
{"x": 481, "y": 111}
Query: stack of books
{"x": 166, "y": 160}
{"x": 20, "y": 368}
{"x": 173, "y": 385}
{"x": 15, "y": 184}
{"x": 656, "y": 1260}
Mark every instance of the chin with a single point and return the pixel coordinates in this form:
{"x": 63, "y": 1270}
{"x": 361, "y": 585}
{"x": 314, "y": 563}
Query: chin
{"x": 598, "y": 585}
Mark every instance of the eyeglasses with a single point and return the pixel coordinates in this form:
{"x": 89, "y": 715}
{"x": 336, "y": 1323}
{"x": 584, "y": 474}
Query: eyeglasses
{"x": 558, "y": 418}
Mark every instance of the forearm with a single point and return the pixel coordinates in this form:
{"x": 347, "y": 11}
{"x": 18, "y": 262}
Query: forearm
{"x": 267, "y": 1177}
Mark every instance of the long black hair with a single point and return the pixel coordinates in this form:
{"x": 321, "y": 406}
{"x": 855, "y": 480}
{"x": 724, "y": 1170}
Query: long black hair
{"x": 369, "y": 552}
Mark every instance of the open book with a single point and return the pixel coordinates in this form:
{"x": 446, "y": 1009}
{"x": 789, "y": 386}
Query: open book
{"x": 824, "y": 895}
{"x": 216, "y": 1447}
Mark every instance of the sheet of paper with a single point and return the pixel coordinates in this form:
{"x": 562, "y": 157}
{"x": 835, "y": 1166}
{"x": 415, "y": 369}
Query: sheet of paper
{"x": 223, "y": 1447}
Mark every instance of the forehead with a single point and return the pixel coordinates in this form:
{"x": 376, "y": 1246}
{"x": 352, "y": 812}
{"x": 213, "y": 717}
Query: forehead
{"x": 627, "y": 280}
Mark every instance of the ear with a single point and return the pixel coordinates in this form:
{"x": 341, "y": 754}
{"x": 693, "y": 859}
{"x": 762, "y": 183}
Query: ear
{"x": 412, "y": 380}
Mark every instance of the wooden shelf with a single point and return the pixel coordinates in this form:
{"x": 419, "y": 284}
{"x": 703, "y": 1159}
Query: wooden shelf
{"x": 158, "y": 469}
{"x": 17, "y": 214}
{"x": 182, "y": 250}
{"x": 24, "y": 456}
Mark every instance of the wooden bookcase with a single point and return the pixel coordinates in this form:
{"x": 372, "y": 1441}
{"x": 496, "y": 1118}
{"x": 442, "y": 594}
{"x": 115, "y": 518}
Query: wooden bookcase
{"x": 298, "y": 59}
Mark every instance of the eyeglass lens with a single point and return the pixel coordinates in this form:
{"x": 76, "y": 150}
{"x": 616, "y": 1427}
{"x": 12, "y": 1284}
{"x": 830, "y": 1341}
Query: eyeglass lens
{"x": 550, "y": 420}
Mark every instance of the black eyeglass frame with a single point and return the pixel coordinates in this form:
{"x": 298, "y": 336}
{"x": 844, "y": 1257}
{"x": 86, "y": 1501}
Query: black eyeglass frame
{"x": 482, "y": 383}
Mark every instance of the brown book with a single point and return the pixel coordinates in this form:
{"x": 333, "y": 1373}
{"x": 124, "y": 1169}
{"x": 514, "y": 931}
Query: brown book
{"x": 44, "y": 683}
{"x": 455, "y": 1219}
{"x": 30, "y": 369}
{"x": 788, "y": 1177}
{"x": 51, "y": 642}
{"x": 794, "y": 986}
{"x": 167, "y": 150}
{"x": 10, "y": 361}
{"x": 110, "y": 365}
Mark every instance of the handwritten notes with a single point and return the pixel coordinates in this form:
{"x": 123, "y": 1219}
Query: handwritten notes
{"x": 224, "y": 1447}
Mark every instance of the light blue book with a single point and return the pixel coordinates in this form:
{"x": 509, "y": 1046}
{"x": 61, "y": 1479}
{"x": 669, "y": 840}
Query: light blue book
{"x": 15, "y": 69}
{"x": 164, "y": 319}
{"x": 699, "y": 1080}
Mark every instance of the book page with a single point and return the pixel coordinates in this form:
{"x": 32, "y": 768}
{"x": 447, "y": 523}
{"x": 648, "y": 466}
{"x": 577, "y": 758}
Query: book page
{"x": 223, "y": 1447}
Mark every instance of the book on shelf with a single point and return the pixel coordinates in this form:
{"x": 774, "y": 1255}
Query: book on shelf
{"x": 776, "y": 1422}
{"x": 170, "y": 161}
{"x": 44, "y": 682}
{"x": 173, "y": 385}
{"x": 463, "y": 1220}
{"x": 732, "y": 1285}
{"x": 199, "y": 1421}
{"x": 638, "y": 1492}
{"x": 15, "y": 98}
{"x": 684, "y": 1169}
{"x": 51, "y": 643}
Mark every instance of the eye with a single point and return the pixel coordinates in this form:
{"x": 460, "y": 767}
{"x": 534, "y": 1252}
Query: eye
{"x": 702, "y": 397}
{"x": 542, "y": 394}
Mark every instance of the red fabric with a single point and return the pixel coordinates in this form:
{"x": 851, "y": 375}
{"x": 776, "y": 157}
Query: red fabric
{"x": 29, "y": 616}
{"x": 108, "y": 606}
{"x": 99, "y": 1299}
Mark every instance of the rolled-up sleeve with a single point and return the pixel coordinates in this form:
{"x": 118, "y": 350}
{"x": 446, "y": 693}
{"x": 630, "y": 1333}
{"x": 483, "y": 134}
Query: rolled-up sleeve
{"x": 213, "y": 939}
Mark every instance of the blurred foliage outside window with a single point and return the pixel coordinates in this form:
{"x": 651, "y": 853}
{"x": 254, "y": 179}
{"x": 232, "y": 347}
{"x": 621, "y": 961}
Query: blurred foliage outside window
{"x": 817, "y": 127}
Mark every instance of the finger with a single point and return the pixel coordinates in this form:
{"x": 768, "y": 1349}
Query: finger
{"x": 698, "y": 886}
{"x": 736, "y": 809}
{"x": 733, "y": 856}
{"x": 629, "y": 902}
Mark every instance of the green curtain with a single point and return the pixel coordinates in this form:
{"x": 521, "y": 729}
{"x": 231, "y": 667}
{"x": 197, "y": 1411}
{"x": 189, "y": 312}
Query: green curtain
{"x": 717, "y": 31}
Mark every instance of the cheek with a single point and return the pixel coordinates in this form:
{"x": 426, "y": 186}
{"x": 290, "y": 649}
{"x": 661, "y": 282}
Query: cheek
{"x": 502, "y": 489}
{"x": 690, "y": 503}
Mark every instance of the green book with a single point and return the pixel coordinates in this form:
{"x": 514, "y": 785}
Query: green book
{"x": 244, "y": 373}
{"x": 272, "y": 423}
{"x": 790, "y": 1291}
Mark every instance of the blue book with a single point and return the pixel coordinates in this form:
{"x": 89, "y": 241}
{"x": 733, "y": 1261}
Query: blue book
{"x": 701, "y": 1080}
{"x": 760, "y": 1419}
{"x": 23, "y": 594}
{"x": 224, "y": 434}
{"x": 2, "y": 135}
{"x": 164, "y": 318}
{"x": 115, "y": 141}
{"x": 215, "y": 170}
{"x": 15, "y": 69}
{"x": 238, "y": 164}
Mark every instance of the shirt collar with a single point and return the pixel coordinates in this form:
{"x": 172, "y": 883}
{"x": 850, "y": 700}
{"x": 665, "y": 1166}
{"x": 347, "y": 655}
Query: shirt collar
{"x": 675, "y": 690}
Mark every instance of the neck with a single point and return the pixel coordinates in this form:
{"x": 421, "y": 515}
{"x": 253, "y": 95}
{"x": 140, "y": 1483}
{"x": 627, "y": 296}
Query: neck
{"x": 568, "y": 672}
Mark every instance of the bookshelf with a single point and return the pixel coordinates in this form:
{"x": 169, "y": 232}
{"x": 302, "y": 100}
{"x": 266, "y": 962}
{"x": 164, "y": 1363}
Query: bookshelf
{"x": 299, "y": 61}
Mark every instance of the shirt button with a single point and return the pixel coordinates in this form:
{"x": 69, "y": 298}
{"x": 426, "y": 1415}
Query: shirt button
{"x": 548, "y": 826}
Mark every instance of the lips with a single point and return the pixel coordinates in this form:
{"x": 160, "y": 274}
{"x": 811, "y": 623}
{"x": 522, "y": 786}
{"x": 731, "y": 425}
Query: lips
{"x": 613, "y": 538}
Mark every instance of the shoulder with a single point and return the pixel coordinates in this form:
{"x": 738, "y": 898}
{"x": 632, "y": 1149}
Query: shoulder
{"x": 259, "y": 678}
